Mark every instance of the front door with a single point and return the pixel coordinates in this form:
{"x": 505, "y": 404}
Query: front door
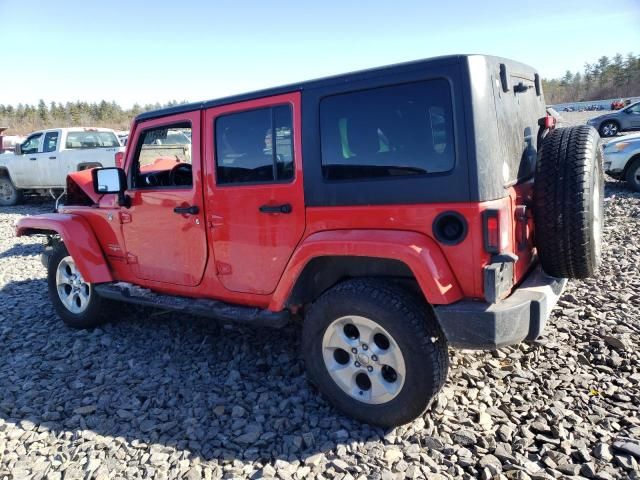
{"x": 255, "y": 200}
{"x": 164, "y": 229}
{"x": 26, "y": 170}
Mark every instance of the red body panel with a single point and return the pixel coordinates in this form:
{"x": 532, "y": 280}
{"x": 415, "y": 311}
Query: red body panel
{"x": 78, "y": 238}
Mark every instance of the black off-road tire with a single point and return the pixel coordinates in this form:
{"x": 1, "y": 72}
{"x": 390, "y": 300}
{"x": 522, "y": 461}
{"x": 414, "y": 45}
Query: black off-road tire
{"x": 92, "y": 316}
{"x": 568, "y": 202}
{"x": 632, "y": 175}
{"x": 413, "y": 326}
{"x": 9, "y": 194}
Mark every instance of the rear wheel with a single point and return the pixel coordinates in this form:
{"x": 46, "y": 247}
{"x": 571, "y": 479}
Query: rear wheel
{"x": 9, "y": 194}
{"x": 609, "y": 129}
{"x": 375, "y": 351}
{"x": 73, "y": 298}
{"x": 633, "y": 175}
{"x": 568, "y": 202}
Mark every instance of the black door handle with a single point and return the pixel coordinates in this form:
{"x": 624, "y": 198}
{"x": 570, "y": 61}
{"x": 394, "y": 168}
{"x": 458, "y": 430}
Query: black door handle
{"x": 33, "y": 158}
{"x": 52, "y": 158}
{"x": 192, "y": 210}
{"x": 284, "y": 208}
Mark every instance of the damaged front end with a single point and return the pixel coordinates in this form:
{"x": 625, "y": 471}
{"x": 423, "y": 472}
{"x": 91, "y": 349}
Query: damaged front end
{"x": 79, "y": 191}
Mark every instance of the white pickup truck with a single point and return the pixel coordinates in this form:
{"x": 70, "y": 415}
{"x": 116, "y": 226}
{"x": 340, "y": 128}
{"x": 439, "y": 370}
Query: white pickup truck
{"x": 41, "y": 163}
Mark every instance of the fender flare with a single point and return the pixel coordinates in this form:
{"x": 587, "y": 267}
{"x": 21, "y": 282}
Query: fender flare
{"x": 417, "y": 251}
{"x": 78, "y": 237}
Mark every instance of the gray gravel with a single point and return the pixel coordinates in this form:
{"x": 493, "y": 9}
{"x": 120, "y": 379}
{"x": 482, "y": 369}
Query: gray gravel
{"x": 152, "y": 395}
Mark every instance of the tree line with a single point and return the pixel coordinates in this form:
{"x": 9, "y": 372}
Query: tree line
{"x": 616, "y": 77}
{"x": 22, "y": 119}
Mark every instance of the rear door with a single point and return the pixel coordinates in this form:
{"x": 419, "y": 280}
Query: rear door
{"x": 54, "y": 173}
{"x": 255, "y": 200}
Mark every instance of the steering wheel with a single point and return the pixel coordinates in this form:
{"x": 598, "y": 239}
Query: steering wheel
{"x": 181, "y": 174}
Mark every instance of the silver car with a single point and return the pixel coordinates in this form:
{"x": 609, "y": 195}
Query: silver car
{"x": 622, "y": 159}
{"x": 622, "y": 120}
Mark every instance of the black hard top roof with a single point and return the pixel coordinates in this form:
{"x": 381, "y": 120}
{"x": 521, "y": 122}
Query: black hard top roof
{"x": 322, "y": 82}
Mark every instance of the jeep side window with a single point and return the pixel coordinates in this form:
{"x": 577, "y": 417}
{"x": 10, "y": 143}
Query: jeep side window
{"x": 32, "y": 144}
{"x": 386, "y": 132}
{"x": 245, "y": 148}
{"x": 50, "y": 142}
{"x": 163, "y": 157}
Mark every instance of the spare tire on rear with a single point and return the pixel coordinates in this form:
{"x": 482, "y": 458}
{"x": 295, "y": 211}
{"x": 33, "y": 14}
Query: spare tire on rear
{"x": 568, "y": 202}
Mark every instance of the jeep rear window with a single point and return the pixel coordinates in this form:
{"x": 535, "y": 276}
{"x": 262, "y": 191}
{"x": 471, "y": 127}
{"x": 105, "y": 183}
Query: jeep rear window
{"x": 245, "y": 150}
{"x": 91, "y": 139}
{"x": 388, "y": 132}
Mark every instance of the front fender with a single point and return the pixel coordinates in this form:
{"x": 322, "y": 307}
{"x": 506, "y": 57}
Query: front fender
{"x": 77, "y": 236}
{"x": 419, "y": 252}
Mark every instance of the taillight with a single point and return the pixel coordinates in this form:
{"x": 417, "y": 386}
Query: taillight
{"x": 549, "y": 121}
{"x": 491, "y": 220}
{"x": 495, "y": 226}
{"x": 119, "y": 159}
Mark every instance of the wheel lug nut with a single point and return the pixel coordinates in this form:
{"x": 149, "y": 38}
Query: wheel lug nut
{"x": 354, "y": 350}
{"x": 357, "y": 364}
{"x": 370, "y": 368}
{"x": 365, "y": 346}
{"x": 374, "y": 358}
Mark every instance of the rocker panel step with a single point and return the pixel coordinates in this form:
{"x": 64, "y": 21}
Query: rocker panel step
{"x": 224, "y": 312}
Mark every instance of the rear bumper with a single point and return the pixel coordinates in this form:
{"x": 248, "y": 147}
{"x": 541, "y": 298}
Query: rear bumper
{"x": 521, "y": 316}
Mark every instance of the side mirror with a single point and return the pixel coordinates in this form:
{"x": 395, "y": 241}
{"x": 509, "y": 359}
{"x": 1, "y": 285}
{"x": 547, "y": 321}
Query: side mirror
{"x": 18, "y": 149}
{"x": 109, "y": 180}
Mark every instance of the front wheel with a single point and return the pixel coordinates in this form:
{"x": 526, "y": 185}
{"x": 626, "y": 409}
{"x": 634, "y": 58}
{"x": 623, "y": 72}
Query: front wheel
{"x": 74, "y": 299}
{"x": 609, "y": 129}
{"x": 633, "y": 175}
{"x": 375, "y": 351}
{"x": 9, "y": 194}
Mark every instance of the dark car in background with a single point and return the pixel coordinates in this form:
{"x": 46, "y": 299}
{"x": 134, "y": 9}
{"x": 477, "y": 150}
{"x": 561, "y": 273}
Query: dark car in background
{"x": 610, "y": 124}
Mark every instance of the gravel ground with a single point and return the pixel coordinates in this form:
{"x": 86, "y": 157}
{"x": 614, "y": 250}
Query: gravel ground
{"x": 151, "y": 395}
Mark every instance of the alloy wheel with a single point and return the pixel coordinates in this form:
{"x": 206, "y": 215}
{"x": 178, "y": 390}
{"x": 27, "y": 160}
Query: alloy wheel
{"x": 73, "y": 291}
{"x": 363, "y": 359}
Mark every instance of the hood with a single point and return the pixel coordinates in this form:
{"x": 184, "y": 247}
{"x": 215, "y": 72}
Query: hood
{"x": 625, "y": 138}
{"x": 80, "y": 188}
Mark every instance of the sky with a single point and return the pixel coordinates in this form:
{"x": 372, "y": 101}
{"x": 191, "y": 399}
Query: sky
{"x": 156, "y": 51}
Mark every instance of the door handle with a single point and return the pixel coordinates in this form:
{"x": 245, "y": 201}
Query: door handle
{"x": 284, "y": 208}
{"x": 33, "y": 158}
{"x": 192, "y": 210}
{"x": 52, "y": 158}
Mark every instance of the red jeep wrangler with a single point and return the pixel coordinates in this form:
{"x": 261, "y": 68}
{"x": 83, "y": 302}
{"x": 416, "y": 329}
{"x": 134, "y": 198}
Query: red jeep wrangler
{"x": 395, "y": 212}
